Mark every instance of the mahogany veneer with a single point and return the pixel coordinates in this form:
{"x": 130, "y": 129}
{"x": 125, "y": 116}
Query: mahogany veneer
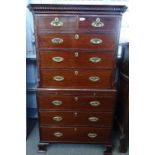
{"x": 76, "y": 56}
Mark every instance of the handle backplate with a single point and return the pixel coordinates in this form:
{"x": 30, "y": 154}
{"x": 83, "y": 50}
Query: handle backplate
{"x": 56, "y": 22}
{"x": 58, "y": 59}
{"x": 95, "y": 59}
{"x": 57, "y": 40}
{"x": 94, "y": 103}
{"x": 58, "y": 134}
{"x": 93, "y": 119}
{"x": 92, "y": 135}
{"x": 57, "y": 118}
{"x": 96, "y": 41}
{"x": 94, "y": 78}
{"x": 97, "y": 23}
{"x": 57, "y": 102}
{"x": 58, "y": 78}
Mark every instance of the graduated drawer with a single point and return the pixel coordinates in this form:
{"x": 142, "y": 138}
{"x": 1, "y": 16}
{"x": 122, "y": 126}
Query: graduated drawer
{"x": 75, "y": 118}
{"x": 64, "y": 102}
{"x": 71, "y": 40}
{"x": 56, "y": 22}
{"x": 74, "y": 59}
{"x": 98, "y": 23}
{"x": 80, "y": 78}
{"x": 76, "y": 134}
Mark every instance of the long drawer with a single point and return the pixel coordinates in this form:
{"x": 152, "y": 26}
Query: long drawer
{"x": 76, "y": 78}
{"x": 70, "y": 118}
{"x": 62, "y": 22}
{"x": 75, "y": 59}
{"x": 76, "y": 134}
{"x": 72, "y": 40}
{"x": 70, "y": 102}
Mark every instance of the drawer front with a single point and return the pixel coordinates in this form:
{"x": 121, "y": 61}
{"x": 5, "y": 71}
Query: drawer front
{"x": 87, "y": 41}
{"x": 79, "y": 78}
{"x": 56, "y": 22}
{"x": 76, "y": 134}
{"x": 62, "y": 102}
{"x": 71, "y": 59}
{"x": 98, "y": 23}
{"x": 76, "y": 118}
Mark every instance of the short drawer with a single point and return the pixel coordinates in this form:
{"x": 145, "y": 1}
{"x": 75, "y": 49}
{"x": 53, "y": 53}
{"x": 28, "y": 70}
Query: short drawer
{"x": 76, "y": 118}
{"x": 76, "y": 59}
{"x": 64, "y": 102}
{"x": 98, "y": 23}
{"x": 79, "y": 78}
{"x": 86, "y": 41}
{"x": 76, "y": 134}
{"x": 56, "y": 22}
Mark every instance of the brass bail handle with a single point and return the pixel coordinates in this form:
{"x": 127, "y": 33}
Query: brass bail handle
{"x": 56, "y": 22}
{"x": 97, "y": 23}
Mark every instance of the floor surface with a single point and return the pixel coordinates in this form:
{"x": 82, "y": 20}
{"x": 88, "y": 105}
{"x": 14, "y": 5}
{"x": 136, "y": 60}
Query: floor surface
{"x": 67, "y": 149}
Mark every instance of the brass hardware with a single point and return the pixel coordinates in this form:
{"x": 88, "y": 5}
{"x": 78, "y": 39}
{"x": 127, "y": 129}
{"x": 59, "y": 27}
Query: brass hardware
{"x": 75, "y": 114}
{"x": 76, "y": 72}
{"x": 92, "y": 135}
{"x": 76, "y": 36}
{"x": 57, "y": 118}
{"x": 56, "y": 22}
{"x": 94, "y": 78}
{"x": 57, "y": 40}
{"x": 76, "y": 98}
{"x": 93, "y": 119}
{"x": 94, "y": 103}
{"x": 58, "y": 134}
{"x": 82, "y": 19}
{"x": 75, "y": 129}
{"x": 76, "y": 54}
{"x": 58, "y": 59}
{"x": 96, "y": 41}
{"x": 56, "y": 102}
{"x": 97, "y": 23}
{"x": 58, "y": 78}
{"x": 95, "y": 59}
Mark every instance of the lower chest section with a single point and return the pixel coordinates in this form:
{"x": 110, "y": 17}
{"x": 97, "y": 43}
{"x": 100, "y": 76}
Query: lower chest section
{"x": 84, "y": 116}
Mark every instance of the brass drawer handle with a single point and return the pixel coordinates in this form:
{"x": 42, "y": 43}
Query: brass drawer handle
{"x": 57, "y": 40}
{"x": 57, "y": 118}
{"x": 58, "y": 59}
{"x": 58, "y": 78}
{"x": 58, "y": 134}
{"x": 94, "y": 103}
{"x": 96, "y": 41}
{"x": 93, "y": 119}
{"x": 57, "y": 102}
{"x": 95, "y": 59}
{"x": 94, "y": 78}
{"x": 97, "y": 23}
{"x": 92, "y": 135}
{"x": 56, "y": 22}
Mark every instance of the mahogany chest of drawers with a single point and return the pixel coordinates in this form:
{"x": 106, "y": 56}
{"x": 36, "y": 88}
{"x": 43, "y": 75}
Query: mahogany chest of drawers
{"x": 76, "y": 56}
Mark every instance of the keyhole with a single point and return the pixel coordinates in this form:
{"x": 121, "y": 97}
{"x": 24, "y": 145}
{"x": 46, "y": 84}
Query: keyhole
{"x": 76, "y": 73}
{"x": 76, "y": 54}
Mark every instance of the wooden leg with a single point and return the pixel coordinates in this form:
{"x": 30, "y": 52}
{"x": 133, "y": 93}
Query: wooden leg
{"x": 42, "y": 147}
{"x": 108, "y": 150}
